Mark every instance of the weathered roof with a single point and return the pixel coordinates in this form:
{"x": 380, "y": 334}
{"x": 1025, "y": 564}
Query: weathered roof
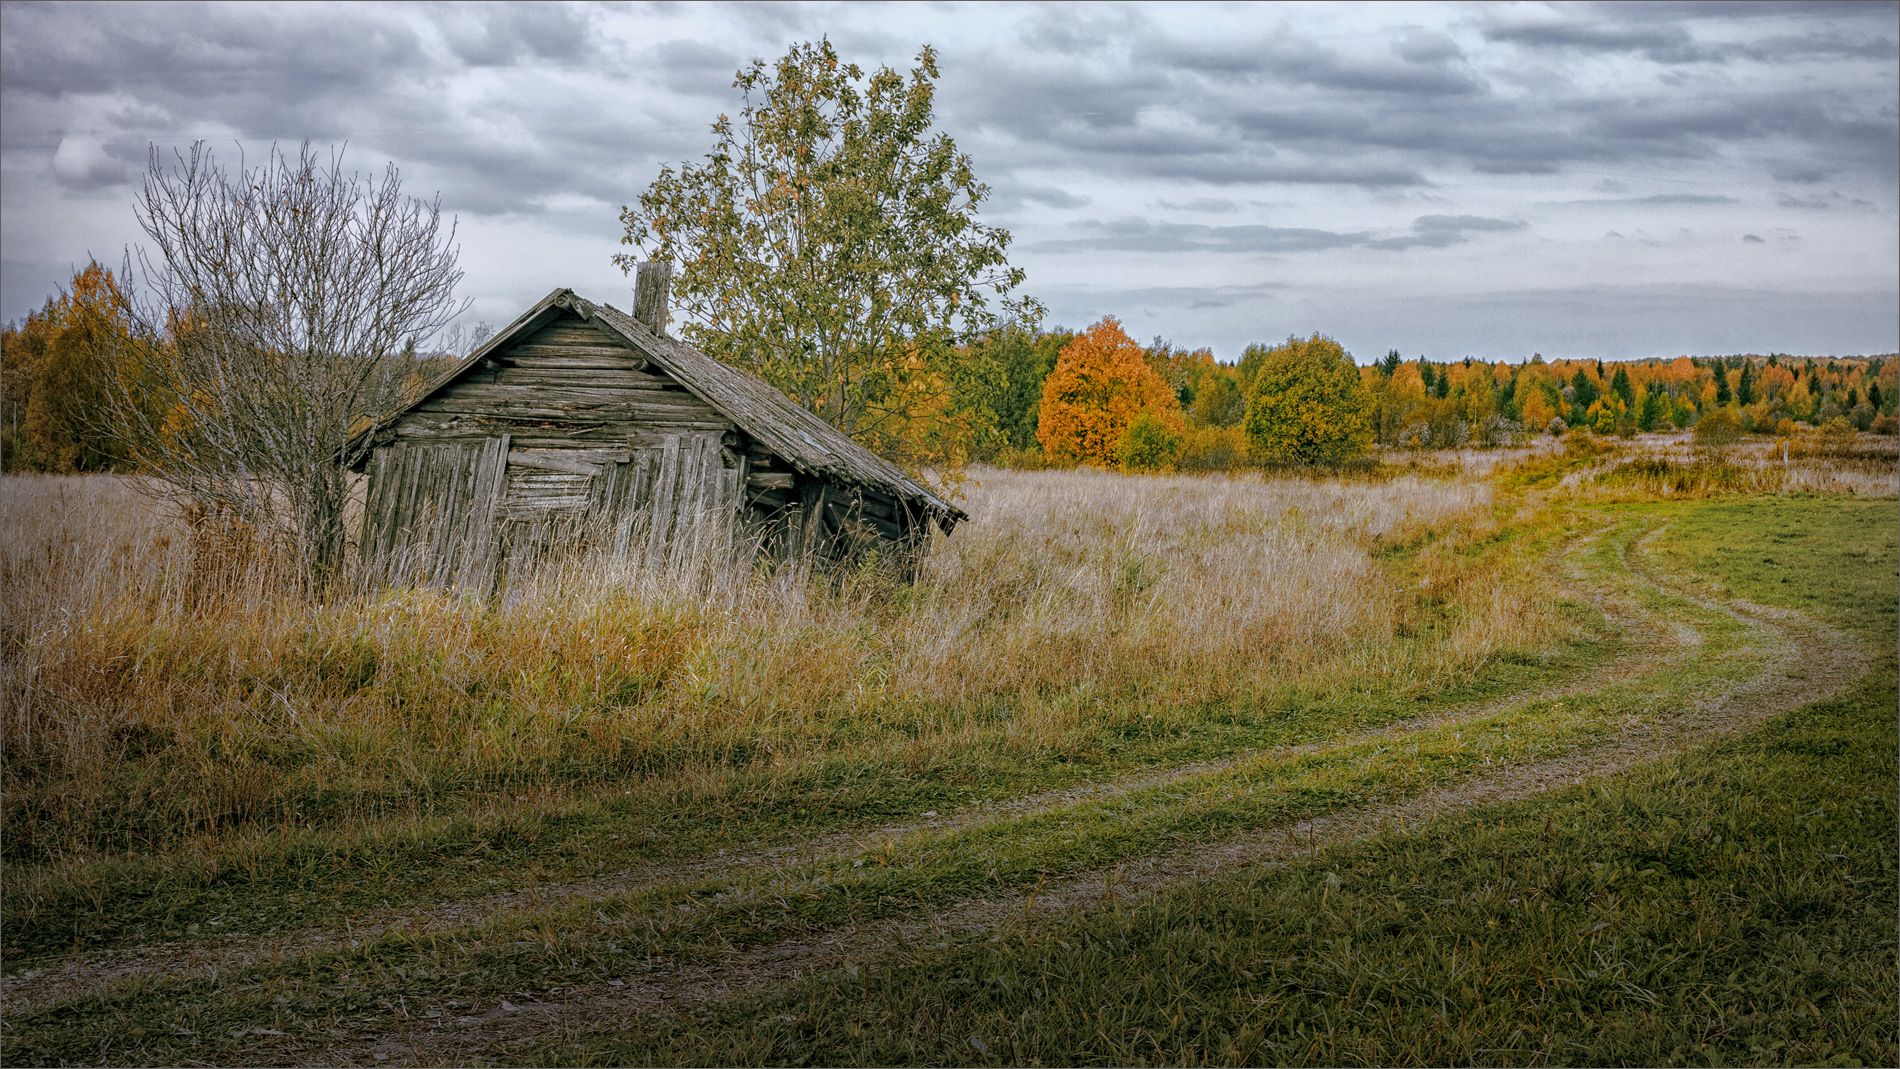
{"x": 788, "y": 429}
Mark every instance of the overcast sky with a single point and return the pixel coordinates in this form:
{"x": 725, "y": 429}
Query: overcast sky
{"x": 1577, "y": 180}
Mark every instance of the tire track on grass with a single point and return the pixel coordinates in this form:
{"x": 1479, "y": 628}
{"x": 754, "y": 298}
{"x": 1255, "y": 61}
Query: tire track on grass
{"x": 66, "y": 979}
{"x": 1802, "y": 661}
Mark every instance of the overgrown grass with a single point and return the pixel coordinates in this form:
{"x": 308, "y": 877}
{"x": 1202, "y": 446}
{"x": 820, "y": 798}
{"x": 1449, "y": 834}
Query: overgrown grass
{"x": 543, "y": 947}
{"x": 1736, "y": 905}
{"x": 266, "y": 763}
{"x": 411, "y": 749}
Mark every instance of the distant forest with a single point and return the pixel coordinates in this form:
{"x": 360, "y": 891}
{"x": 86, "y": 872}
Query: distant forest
{"x": 1061, "y": 397}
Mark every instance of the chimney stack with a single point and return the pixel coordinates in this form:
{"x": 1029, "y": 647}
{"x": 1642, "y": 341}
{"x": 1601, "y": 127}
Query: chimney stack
{"x": 649, "y": 294}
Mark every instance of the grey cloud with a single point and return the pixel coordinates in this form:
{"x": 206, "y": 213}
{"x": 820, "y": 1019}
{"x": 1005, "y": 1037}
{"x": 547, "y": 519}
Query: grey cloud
{"x": 1422, "y": 46}
{"x": 87, "y": 163}
{"x": 1212, "y": 205}
{"x": 1131, "y": 234}
{"x": 1015, "y": 194}
{"x": 696, "y": 68}
{"x": 1804, "y": 173}
{"x": 1662, "y": 43}
{"x": 1429, "y": 68}
{"x": 1167, "y": 296}
{"x": 1083, "y": 29}
{"x": 1663, "y": 199}
{"x": 493, "y": 35}
{"x": 1821, "y": 202}
{"x": 1752, "y": 239}
{"x": 1157, "y": 105}
{"x": 371, "y": 78}
{"x": 1625, "y": 29}
{"x": 1683, "y": 198}
{"x": 1441, "y": 231}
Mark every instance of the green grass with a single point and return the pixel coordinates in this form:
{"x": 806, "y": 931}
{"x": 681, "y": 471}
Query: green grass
{"x": 291, "y": 876}
{"x": 600, "y": 938}
{"x": 1736, "y": 905}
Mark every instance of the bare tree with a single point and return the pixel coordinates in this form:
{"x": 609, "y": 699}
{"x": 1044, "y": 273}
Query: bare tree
{"x": 276, "y": 305}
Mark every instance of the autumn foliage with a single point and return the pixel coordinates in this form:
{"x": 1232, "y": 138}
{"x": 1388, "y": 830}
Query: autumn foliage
{"x": 1100, "y": 386}
{"x": 1308, "y": 406}
{"x": 56, "y": 369}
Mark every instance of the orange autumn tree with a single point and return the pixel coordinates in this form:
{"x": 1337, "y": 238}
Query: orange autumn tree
{"x": 1101, "y": 384}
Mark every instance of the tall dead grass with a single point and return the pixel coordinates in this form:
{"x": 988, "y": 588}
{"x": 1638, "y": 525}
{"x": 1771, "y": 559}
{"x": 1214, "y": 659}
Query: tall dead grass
{"x": 140, "y": 713}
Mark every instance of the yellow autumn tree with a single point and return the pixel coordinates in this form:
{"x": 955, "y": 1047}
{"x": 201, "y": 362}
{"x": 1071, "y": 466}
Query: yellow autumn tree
{"x": 67, "y": 395}
{"x": 1100, "y": 385}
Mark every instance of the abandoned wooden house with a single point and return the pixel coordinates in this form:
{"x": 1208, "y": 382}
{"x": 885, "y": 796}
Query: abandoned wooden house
{"x": 580, "y": 421}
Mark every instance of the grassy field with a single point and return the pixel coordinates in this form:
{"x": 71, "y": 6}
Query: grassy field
{"x": 1578, "y": 755}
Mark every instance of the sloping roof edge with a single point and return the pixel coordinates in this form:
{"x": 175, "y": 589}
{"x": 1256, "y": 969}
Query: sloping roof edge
{"x": 787, "y": 428}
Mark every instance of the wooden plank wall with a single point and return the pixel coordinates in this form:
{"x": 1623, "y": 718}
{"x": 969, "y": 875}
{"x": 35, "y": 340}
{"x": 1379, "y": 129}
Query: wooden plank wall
{"x": 565, "y": 436}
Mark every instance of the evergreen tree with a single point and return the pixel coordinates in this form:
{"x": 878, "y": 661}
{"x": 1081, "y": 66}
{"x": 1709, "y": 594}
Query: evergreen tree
{"x": 1873, "y": 396}
{"x": 1584, "y": 389}
{"x": 1620, "y": 386}
{"x": 1722, "y": 395}
{"x": 1745, "y": 386}
{"x": 1655, "y": 409}
{"x": 1391, "y": 363}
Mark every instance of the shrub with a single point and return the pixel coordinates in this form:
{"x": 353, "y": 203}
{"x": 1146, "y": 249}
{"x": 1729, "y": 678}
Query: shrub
{"x": 1308, "y": 406}
{"x": 1148, "y": 445}
{"x": 1213, "y": 449}
{"x": 1837, "y": 437}
{"x": 1718, "y": 429}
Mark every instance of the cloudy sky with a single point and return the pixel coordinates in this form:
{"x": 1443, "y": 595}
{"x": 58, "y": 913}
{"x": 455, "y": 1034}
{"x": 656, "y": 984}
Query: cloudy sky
{"x": 1599, "y": 180}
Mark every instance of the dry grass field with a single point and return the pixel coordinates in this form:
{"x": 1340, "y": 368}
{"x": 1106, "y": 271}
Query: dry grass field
{"x": 627, "y": 814}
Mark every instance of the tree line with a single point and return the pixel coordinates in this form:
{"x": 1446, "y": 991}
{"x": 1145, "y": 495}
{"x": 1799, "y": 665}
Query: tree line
{"x": 1097, "y": 397}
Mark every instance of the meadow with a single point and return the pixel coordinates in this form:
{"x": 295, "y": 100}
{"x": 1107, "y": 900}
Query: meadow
{"x": 1578, "y": 752}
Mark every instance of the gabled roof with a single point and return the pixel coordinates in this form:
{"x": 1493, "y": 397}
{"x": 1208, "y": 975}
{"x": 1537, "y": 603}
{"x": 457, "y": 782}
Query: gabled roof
{"x": 788, "y": 429}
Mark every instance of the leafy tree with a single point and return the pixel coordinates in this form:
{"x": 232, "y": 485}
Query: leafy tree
{"x": 23, "y": 348}
{"x": 1218, "y": 402}
{"x": 1006, "y": 402}
{"x": 1536, "y": 410}
{"x": 1149, "y": 444}
{"x": 1100, "y": 385}
{"x": 1251, "y": 358}
{"x": 830, "y": 242}
{"x": 60, "y": 368}
{"x": 1308, "y": 405}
